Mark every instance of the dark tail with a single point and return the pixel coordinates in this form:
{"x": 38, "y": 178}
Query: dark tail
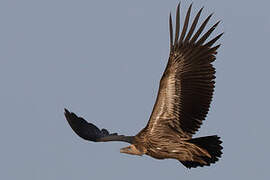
{"x": 209, "y": 143}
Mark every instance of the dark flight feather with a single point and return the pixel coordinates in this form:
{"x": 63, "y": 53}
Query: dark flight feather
{"x": 193, "y": 26}
{"x": 200, "y": 29}
{"x": 207, "y": 34}
{"x": 171, "y": 32}
{"x": 177, "y": 26}
{"x": 184, "y": 30}
{"x": 89, "y": 131}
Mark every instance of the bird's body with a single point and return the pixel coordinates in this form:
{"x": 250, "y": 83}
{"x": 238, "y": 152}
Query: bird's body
{"x": 171, "y": 146}
{"x": 185, "y": 93}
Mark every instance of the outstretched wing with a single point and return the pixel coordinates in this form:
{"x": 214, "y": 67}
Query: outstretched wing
{"x": 89, "y": 131}
{"x": 187, "y": 85}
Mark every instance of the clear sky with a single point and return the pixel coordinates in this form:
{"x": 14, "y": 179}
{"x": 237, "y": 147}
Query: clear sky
{"x": 103, "y": 60}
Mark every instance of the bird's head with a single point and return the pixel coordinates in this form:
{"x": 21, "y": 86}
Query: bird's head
{"x": 132, "y": 149}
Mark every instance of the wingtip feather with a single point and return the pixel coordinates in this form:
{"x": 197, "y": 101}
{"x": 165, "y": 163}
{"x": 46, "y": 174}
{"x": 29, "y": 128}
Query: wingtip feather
{"x": 184, "y": 30}
{"x": 177, "y": 27}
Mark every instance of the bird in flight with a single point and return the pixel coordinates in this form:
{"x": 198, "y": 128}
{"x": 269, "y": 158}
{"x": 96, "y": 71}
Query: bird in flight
{"x": 183, "y": 101}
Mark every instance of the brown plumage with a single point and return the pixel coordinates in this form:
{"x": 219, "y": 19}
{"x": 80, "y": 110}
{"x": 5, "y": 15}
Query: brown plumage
{"x": 185, "y": 93}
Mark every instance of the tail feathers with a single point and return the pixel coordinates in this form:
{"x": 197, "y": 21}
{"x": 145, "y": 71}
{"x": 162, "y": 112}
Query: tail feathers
{"x": 212, "y": 144}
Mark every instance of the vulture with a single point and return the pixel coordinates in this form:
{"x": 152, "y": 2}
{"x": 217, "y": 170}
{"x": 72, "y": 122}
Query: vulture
{"x": 183, "y": 101}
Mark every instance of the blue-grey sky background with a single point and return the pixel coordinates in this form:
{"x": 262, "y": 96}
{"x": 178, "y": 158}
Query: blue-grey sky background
{"x": 103, "y": 60}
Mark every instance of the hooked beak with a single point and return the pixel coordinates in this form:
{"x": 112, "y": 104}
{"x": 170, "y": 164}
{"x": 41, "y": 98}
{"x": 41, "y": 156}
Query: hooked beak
{"x": 131, "y": 150}
{"x": 125, "y": 150}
